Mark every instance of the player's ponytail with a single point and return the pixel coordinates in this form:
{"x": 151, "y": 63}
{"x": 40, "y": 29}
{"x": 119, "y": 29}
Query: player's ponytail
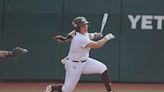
{"x": 77, "y": 23}
{"x": 67, "y": 38}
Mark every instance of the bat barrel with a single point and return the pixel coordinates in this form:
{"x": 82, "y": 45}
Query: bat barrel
{"x": 104, "y": 21}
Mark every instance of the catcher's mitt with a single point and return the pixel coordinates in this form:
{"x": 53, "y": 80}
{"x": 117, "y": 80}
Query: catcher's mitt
{"x": 19, "y": 51}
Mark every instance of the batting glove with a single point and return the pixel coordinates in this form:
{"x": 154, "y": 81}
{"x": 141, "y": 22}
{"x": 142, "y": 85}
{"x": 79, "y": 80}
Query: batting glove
{"x": 109, "y": 36}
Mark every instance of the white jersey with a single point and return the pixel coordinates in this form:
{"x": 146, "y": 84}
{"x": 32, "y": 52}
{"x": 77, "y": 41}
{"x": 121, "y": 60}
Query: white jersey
{"x": 77, "y": 49}
{"x": 78, "y": 52}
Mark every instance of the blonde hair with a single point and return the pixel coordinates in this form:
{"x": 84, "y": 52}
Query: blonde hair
{"x": 66, "y": 38}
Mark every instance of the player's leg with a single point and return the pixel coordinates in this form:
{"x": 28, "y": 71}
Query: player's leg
{"x": 95, "y": 67}
{"x": 107, "y": 80}
{"x": 73, "y": 74}
{"x": 71, "y": 80}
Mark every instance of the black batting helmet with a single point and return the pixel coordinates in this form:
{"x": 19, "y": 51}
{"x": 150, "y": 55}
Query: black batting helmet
{"x": 79, "y": 21}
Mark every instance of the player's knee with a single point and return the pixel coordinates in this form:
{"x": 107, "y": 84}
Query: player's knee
{"x": 103, "y": 68}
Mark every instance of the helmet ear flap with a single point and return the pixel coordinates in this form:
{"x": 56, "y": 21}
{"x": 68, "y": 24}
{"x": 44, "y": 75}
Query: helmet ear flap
{"x": 77, "y": 29}
{"x": 75, "y": 25}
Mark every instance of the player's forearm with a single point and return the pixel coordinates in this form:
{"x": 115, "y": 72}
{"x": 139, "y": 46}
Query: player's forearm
{"x": 101, "y": 42}
{"x": 15, "y": 52}
{"x": 4, "y": 54}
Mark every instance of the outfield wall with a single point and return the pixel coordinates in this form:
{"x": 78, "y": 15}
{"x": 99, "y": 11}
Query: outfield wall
{"x": 136, "y": 55}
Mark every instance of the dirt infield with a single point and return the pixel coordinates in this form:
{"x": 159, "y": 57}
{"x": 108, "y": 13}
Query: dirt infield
{"x": 86, "y": 86}
{"x": 123, "y": 86}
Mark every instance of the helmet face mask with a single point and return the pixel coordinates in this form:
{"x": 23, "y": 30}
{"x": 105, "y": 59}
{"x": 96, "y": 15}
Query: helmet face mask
{"x": 78, "y": 22}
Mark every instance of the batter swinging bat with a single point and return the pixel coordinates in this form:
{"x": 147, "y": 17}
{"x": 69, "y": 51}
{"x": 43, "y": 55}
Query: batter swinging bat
{"x": 105, "y": 17}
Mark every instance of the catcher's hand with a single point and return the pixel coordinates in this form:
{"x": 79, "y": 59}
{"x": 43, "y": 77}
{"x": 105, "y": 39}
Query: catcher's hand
{"x": 19, "y": 51}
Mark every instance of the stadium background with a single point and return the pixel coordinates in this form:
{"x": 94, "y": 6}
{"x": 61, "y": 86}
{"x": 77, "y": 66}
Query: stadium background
{"x": 136, "y": 55}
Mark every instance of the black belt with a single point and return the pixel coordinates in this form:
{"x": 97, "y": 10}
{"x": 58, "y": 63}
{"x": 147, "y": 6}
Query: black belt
{"x": 79, "y": 61}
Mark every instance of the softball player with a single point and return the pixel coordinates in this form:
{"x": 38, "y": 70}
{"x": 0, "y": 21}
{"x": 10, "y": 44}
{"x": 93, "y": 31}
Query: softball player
{"x": 78, "y": 61}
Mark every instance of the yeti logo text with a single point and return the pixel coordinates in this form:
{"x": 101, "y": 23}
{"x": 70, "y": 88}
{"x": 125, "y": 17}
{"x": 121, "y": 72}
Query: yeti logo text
{"x": 146, "y": 21}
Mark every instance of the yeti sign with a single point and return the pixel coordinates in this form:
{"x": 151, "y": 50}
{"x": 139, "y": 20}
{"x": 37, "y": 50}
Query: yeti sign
{"x": 148, "y": 22}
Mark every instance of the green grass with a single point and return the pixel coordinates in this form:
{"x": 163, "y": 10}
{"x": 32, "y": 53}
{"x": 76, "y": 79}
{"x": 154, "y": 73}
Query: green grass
{"x": 124, "y": 91}
{"x": 84, "y": 91}
{"x": 22, "y": 91}
{"x": 141, "y": 91}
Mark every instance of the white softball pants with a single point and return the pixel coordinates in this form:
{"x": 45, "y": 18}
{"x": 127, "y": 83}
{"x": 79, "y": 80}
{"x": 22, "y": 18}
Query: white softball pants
{"x": 75, "y": 69}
